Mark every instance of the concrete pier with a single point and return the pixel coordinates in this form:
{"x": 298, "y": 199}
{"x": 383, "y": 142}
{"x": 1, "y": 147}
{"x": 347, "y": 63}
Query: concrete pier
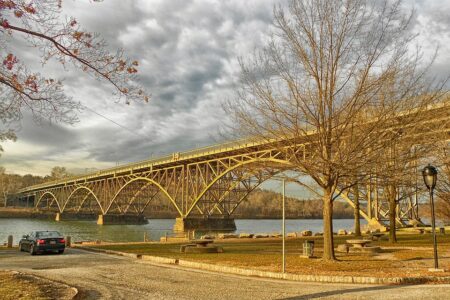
{"x": 75, "y": 216}
{"x": 204, "y": 224}
{"x": 121, "y": 219}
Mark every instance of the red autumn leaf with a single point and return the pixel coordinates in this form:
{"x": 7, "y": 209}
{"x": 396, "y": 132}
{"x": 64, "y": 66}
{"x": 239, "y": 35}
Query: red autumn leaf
{"x": 131, "y": 70}
{"x": 30, "y": 9}
{"x": 77, "y": 35}
{"x": 10, "y": 61}
{"x": 7, "y": 4}
{"x": 73, "y": 22}
{"x": 4, "y": 23}
{"x": 18, "y": 13}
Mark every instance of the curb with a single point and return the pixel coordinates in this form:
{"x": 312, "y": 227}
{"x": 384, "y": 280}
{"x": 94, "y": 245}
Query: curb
{"x": 276, "y": 275}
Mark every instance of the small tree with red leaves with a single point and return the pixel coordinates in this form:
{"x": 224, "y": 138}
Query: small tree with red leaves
{"x": 40, "y": 24}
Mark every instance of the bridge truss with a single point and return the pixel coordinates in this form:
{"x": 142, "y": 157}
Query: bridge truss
{"x": 199, "y": 185}
{"x": 204, "y": 183}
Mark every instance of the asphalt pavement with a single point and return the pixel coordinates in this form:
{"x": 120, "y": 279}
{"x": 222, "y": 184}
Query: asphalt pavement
{"x": 103, "y": 276}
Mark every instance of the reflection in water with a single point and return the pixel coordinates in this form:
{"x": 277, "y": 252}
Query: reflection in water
{"x": 156, "y": 228}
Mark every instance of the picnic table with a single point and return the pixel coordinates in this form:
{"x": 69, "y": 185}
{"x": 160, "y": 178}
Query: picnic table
{"x": 200, "y": 246}
{"x": 358, "y": 243}
{"x": 375, "y": 236}
{"x": 202, "y": 243}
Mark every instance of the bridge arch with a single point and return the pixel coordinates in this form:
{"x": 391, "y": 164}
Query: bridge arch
{"x": 90, "y": 192}
{"x": 149, "y": 182}
{"x": 227, "y": 171}
{"x": 53, "y": 196}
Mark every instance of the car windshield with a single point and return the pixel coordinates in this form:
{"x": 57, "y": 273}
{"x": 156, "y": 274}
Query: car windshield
{"x": 47, "y": 234}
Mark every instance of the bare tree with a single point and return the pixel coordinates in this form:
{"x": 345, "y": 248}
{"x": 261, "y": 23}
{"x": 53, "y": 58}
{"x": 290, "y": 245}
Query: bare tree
{"x": 59, "y": 173}
{"x": 335, "y": 75}
{"x": 397, "y": 176}
{"x": 40, "y": 25}
{"x": 443, "y": 184}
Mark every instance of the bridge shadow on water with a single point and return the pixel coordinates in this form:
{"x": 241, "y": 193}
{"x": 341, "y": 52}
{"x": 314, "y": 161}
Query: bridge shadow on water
{"x": 340, "y": 292}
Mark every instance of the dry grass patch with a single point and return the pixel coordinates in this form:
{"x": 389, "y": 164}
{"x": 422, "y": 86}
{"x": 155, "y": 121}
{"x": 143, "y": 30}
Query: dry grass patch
{"x": 411, "y": 256}
{"x": 15, "y": 286}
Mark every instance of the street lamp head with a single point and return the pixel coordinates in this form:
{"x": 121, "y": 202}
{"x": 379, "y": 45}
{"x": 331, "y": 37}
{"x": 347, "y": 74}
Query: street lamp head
{"x": 429, "y": 174}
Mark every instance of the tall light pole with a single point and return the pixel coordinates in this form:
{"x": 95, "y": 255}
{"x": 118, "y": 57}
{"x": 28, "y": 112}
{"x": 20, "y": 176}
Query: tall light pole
{"x": 429, "y": 174}
{"x": 284, "y": 228}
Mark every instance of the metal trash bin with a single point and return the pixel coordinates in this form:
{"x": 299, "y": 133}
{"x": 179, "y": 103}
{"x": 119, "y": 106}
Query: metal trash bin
{"x": 308, "y": 249}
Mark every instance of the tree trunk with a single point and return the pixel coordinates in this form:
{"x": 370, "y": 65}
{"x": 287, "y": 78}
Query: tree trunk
{"x": 328, "y": 244}
{"x": 356, "y": 212}
{"x": 392, "y": 214}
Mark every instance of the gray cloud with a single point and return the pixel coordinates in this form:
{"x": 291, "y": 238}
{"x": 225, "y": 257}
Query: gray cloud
{"x": 188, "y": 54}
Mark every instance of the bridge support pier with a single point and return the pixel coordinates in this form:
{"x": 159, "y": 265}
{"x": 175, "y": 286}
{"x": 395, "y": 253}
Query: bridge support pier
{"x": 204, "y": 224}
{"x": 121, "y": 219}
{"x": 74, "y": 216}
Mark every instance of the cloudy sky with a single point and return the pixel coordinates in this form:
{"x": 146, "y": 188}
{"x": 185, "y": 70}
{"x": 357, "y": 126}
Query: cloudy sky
{"x": 188, "y": 53}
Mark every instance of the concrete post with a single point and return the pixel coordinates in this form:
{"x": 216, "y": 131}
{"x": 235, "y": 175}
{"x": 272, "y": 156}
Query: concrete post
{"x": 68, "y": 241}
{"x": 10, "y": 241}
{"x": 100, "y": 220}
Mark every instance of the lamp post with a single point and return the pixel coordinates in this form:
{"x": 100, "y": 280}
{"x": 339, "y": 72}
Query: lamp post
{"x": 429, "y": 174}
{"x": 283, "y": 222}
{"x": 284, "y": 227}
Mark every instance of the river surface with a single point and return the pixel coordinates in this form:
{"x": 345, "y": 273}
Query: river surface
{"x": 156, "y": 228}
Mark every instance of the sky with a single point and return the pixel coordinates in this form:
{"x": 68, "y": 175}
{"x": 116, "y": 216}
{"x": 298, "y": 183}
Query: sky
{"x": 188, "y": 53}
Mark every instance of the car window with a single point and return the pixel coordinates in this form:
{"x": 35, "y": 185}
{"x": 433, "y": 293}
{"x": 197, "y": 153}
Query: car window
{"x": 48, "y": 234}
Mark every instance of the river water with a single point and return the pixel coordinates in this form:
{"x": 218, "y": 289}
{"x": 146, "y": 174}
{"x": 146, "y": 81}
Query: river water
{"x": 156, "y": 228}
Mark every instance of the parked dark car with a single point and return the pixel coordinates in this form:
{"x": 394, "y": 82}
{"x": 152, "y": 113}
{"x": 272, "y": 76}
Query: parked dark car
{"x": 42, "y": 241}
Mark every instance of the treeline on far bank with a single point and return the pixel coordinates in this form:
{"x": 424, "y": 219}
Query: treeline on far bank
{"x": 263, "y": 204}
{"x": 268, "y": 204}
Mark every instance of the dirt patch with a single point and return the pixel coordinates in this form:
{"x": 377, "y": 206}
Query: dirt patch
{"x": 15, "y": 285}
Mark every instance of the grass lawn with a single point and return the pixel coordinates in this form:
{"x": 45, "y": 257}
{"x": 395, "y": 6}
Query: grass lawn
{"x": 411, "y": 256}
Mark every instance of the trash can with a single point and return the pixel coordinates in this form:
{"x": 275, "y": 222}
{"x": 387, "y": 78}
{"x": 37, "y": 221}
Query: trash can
{"x": 10, "y": 241}
{"x": 442, "y": 230}
{"x": 308, "y": 249}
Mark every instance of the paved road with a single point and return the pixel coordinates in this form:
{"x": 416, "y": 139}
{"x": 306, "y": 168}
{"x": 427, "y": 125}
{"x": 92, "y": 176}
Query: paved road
{"x": 101, "y": 276}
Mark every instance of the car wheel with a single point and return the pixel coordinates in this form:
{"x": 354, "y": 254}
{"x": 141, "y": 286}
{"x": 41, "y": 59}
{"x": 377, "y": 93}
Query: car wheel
{"x": 32, "y": 252}
{"x": 60, "y": 251}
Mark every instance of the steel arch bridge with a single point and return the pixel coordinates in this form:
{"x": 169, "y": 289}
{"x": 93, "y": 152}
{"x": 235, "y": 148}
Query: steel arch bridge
{"x": 204, "y": 185}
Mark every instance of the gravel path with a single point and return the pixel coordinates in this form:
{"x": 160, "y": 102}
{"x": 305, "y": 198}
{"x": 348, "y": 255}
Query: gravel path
{"x": 101, "y": 276}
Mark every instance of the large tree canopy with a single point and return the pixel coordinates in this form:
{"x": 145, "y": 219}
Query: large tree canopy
{"x": 334, "y": 85}
{"x": 41, "y": 25}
